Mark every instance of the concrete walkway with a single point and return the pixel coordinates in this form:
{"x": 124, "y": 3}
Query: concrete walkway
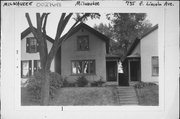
{"x": 126, "y": 95}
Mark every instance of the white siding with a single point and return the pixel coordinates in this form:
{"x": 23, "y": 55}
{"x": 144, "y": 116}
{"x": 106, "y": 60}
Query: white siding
{"x": 33, "y": 56}
{"x": 149, "y": 48}
{"x": 136, "y": 50}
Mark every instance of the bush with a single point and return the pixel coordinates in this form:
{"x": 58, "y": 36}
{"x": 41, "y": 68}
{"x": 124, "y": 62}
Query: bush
{"x": 99, "y": 83}
{"x": 65, "y": 83}
{"x": 55, "y": 83}
{"x": 81, "y": 81}
{"x": 144, "y": 84}
{"x": 35, "y": 84}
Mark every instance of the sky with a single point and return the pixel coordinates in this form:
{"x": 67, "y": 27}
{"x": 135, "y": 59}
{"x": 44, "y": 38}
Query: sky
{"x": 53, "y": 19}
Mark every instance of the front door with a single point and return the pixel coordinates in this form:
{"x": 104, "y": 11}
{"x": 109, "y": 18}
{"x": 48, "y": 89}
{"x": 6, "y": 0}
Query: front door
{"x": 111, "y": 70}
{"x": 135, "y": 70}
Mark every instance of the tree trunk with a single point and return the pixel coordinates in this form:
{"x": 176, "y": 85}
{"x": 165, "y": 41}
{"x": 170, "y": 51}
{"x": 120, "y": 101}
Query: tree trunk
{"x": 45, "y": 87}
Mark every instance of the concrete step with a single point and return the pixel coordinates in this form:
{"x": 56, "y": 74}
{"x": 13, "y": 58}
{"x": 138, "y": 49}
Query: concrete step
{"x": 126, "y": 96}
{"x": 128, "y": 103}
{"x": 134, "y": 97}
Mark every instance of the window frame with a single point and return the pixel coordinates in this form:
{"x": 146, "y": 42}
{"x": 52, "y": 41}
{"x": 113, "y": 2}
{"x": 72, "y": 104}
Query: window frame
{"x": 153, "y": 66}
{"x": 94, "y": 72}
{"x": 28, "y": 45}
{"x": 29, "y": 68}
{"x": 78, "y": 48}
{"x": 34, "y": 67}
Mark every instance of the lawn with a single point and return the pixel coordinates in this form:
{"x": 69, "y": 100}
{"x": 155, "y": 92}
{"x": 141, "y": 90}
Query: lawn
{"x": 85, "y": 96}
{"x": 26, "y": 100}
{"x": 90, "y": 96}
{"x": 77, "y": 96}
{"x": 148, "y": 95}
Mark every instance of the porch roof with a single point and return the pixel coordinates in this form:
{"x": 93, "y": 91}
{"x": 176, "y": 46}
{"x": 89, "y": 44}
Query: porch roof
{"x": 133, "y": 56}
{"x": 112, "y": 56}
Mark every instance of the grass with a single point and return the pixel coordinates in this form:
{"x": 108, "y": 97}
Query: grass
{"x": 90, "y": 96}
{"x": 148, "y": 95}
{"x": 77, "y": 96}
{"x": 84, "y": 96}
{"x": 26, "y": 100}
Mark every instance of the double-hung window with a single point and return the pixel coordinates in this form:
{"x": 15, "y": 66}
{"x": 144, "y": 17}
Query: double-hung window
{"x": 83, "y": 43}
{"x": 155, "y": 66}
{"x": 26, "y": 68}
{"x": 83, "y": 67}
{"x": 31, "y": 45}
{"x": 37, "y": 65}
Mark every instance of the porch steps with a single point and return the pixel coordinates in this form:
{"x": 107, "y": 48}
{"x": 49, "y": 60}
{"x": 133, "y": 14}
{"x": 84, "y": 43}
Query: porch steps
{"x": 126, "y": 96}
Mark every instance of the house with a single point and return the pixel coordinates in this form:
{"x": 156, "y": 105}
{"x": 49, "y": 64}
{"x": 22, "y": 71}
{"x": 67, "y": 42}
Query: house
{"x": 85, "y": 52}
{"x": 30, "y": 60}
{"x": 141, "y": 62}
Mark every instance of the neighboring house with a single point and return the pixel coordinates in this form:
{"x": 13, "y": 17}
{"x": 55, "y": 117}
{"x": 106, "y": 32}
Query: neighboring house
{"x": 141, "y": 62}
{"x": 30, "y": 60}
{"x": 84, "y": 53}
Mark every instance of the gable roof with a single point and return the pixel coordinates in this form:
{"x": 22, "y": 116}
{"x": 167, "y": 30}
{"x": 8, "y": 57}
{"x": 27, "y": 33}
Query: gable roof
{"x": 28, "y": 31}
{"x": 74, "y": 30}
{"x": 137, "y": 40}
{"x": 93, "y": 31}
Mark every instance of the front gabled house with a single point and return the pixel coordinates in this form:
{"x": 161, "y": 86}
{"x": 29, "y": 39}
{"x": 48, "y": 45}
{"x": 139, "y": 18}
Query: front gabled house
{"x": 85, "y": 52}
{"x": 141, "y": 62}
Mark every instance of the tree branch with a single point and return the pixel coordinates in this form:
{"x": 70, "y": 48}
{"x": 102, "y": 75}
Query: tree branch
{"x": 58, "y": 41}
{"x": 39, "y": 23}
{"x": 68, "y": 33}
{"x": 31, "y": 26}
{"x": 45, "y": 22}
{"x": 58, "y": 33}
{"x": 42, "y": 17}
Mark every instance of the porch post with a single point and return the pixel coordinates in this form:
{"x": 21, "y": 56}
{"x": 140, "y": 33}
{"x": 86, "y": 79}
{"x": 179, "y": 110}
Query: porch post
{"x": 129, "y": 71}
{"x": 117, "y": 72}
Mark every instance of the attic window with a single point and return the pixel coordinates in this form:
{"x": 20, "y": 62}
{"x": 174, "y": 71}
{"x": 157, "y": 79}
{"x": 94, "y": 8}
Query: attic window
{"x": 83, "y": 43}
{"x": 31, "y": 45}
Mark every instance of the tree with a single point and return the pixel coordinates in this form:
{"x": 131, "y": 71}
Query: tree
{"x": 107, "y": 30}
{"x": 45, "y": 57}
{"x": 124, "y": 28}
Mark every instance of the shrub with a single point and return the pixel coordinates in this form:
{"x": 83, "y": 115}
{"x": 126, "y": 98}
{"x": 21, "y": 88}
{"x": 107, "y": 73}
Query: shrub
{"x": 99, "y": 83}
{"x": 35, "y": 84}
{"x": 55, "y": 83}
{"x": 81, "y": 81}
{"x": 143, "y": 84}
{"x": 34, "y": 88}
{"x": 65, "y": 83}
